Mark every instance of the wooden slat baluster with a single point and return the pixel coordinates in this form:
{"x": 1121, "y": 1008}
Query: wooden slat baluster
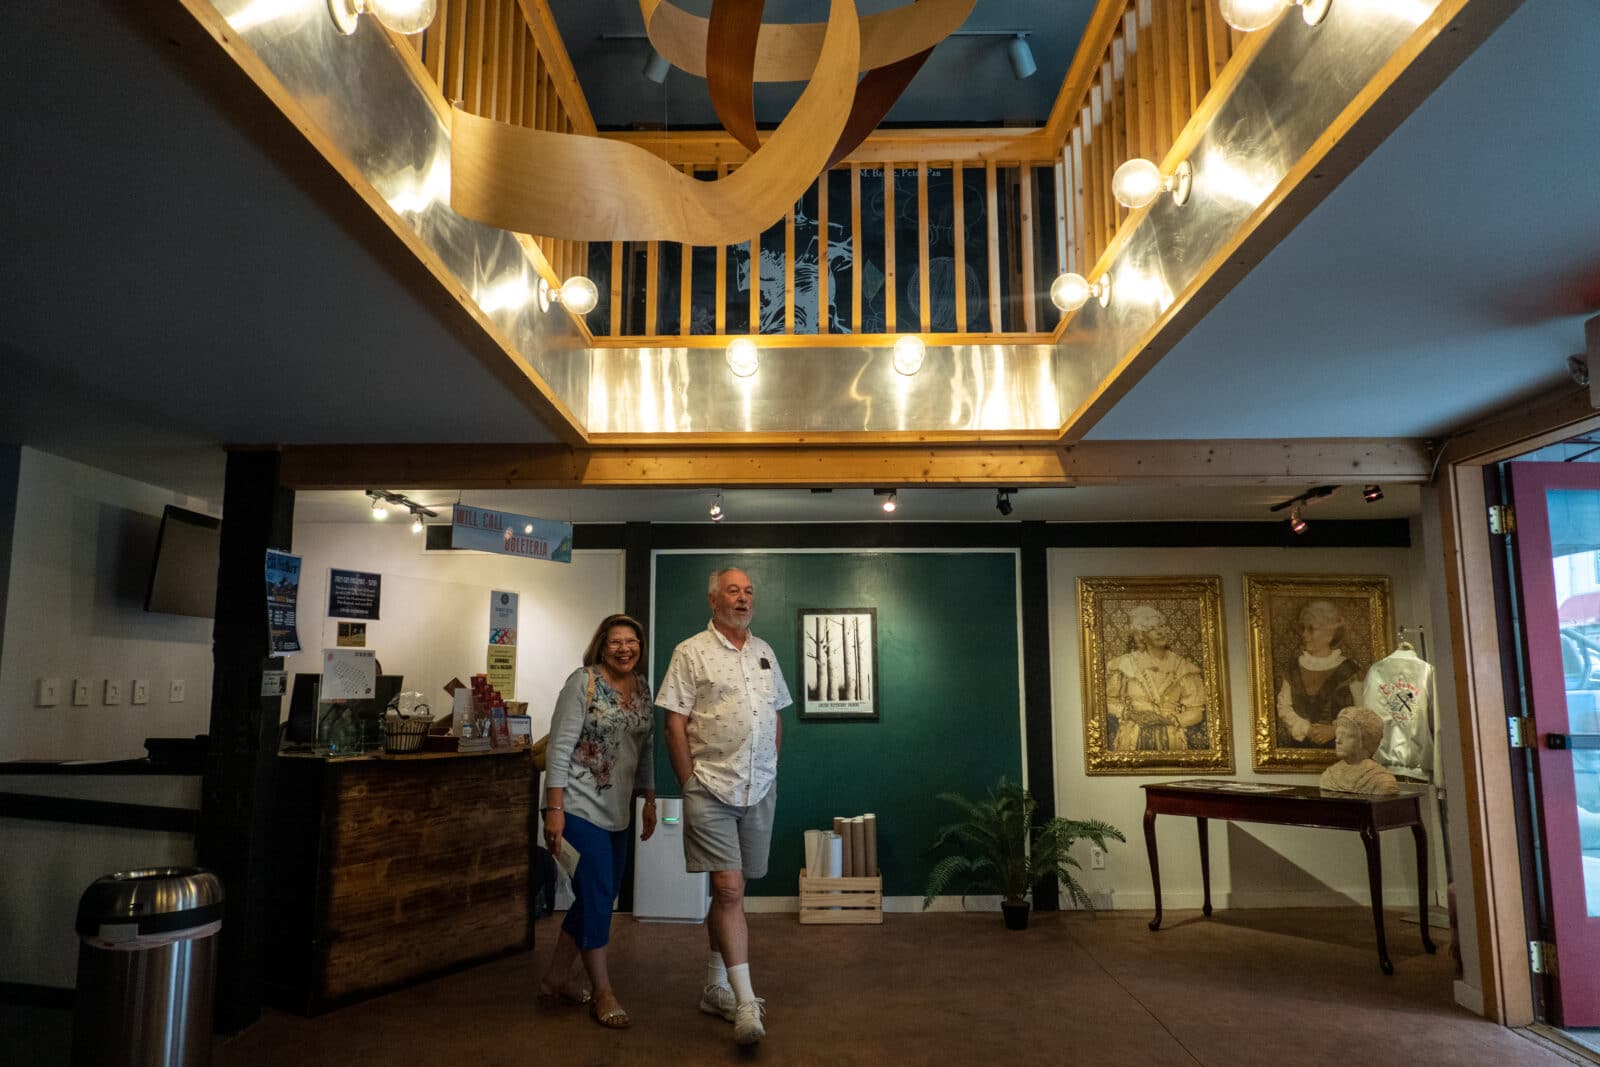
{"x": 455, "y": 55}
{"x": 824, "y": 272}
{"x": 1127, "y": 48}
{"x": 508, "y": 57}
{"x": 1163, "y": 74}
{"x": 519, "y": 58}
{"x": 494, "y": 27}
{"x": 1077, "y": 238}
{"x": 788, "y": 272}
{"x": 1086, "y": 176}
{"x": 530, "y": 84}
{"x": 1029, "y": 315}
{"x": 1123, "y": 135}
{"x": 1060, "y": 168}
{"x": 1219, "y": 42}
{"x": 958, "y": 228}
{"x": 1152, "y": 100}
{"x": 437, "y": 42}
{"x": 616, "y": 288}
{"x": 855, "y": 247}
{"x": 535, "y": 118}
{"x": 993, "y": 218}
{"x": 1177, "y": 38}
{"x": 475, "y": 59}
{"x": 652, "y": 285}
{"x": 926, "y": 308}
{"x": 888, "y": 248}
{"x": 1196, "y": 65}
{"x": 755, "y": 284}
{"x": 686, "y": 277}
{"x": 1113, "y": 150}
{"x": 722, "y": 278}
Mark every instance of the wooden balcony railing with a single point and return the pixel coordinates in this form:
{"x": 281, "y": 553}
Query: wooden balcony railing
{"x": 978, "y": 221}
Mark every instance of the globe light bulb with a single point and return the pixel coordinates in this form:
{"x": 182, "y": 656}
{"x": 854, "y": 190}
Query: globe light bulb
{"x": 742, "y": 356}
{"x": 401, "y": 16}
{"x": 579, "y": 295}
{"x": 1136, "y": 183}
{"x": 1069, "y": 291}
{"x": 378, "y": 510}
{"x": 1247, "y": 16}
{"x": 908, "y": 353}
{"x": 416, "y": 524}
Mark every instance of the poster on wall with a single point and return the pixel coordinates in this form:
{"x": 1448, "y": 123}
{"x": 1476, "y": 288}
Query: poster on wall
{"x": 1155, "y": 695}
{"x": 839, "y": 663}
{"x": 1312, "y": 638}
{"x": 502, "y": 669}
{"x": 283, "y": 593}
{"x": 353, "y": 594}
{"x": 508, "y": 534}
{"x": 352, "y": 635}
{"x": 502, "y": 618}
{"x": 348, "y": 674}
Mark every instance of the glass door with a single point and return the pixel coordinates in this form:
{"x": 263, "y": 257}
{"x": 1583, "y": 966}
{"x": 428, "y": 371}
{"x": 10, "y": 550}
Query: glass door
{"x": 1557, "y": 543}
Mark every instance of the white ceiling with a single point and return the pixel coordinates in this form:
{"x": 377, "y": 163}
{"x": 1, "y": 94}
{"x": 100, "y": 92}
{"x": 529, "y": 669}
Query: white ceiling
{"x": 171, "y": 287}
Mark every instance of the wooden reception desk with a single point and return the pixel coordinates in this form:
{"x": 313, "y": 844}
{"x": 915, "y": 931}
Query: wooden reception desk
{"x": 389, "y": 869}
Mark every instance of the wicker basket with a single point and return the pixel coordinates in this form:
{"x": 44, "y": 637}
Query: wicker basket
{"x": 404, "y": 735}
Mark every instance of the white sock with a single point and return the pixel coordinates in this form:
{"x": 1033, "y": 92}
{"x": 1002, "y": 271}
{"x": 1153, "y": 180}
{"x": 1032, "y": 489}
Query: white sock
{"x": 716, "y": 971}
{"x": 739, "y": 978}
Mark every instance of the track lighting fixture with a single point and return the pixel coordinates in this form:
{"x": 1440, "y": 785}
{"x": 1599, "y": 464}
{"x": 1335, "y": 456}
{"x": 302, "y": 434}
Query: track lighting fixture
{"x": 1070, "y": 291}
{"x": 1022, "y": 64}
{"x": 742, "y": 356}
{"x": 891, "y": 499}
{"x": 383, "y": 500}
{"x": 1372, "y": 494}
{"x": 1138, "y": 182}
{"x": 1248, "y": 15}
{"x": 715, "y": 511}
{"x": 577, "y": 294}
{"x": 1316, "y": 492}
{"x": 1296, "y": 523}
{"x": 401, "y": 16}
{"x": 1002, "y": 500}
{"x": 656, "y": 67}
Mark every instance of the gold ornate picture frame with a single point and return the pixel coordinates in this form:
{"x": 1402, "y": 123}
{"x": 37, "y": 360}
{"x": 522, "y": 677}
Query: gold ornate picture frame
{"x": 1312, "y": 638}
{"x": 1155, "y": 680}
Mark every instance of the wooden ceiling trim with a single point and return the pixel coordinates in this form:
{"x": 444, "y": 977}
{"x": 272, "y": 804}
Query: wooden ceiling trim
{"x": 1546, "y": 419}
{"x": 1146, "y": 463}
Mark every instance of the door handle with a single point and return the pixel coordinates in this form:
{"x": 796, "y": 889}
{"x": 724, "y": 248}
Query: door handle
{"x": 1566, "y": 741}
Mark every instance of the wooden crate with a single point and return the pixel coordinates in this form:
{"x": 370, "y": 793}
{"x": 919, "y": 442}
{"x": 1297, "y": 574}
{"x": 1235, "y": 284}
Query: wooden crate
{"x": 841, "y": 900}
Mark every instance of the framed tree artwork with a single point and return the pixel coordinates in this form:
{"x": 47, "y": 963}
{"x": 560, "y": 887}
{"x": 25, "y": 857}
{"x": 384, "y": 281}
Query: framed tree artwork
{"x": 1312, "y": 638}
{"x": 839, "y": 663}
{"x": 1155, "y": 693}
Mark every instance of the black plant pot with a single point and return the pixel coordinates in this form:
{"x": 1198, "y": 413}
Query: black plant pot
{"x": 1016, "y": 914}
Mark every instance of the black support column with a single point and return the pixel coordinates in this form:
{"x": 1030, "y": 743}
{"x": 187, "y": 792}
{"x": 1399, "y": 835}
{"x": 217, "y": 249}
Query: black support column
{"x": 257, "y": 514}
{"x": 1038, "y": 712}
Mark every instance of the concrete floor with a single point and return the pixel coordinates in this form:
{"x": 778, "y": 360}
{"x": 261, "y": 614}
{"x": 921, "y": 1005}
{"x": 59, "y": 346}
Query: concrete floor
{"x": 1245, "y": 987}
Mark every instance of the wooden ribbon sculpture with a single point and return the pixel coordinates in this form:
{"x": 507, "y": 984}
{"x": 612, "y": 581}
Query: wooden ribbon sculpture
{"x": 576, "y": 187}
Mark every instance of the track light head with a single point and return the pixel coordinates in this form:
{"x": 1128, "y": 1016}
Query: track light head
{"x": 656, "y": 67}
{"x": 891, "y": 499}
{"x": 715, "y": 511}
{"x": 1022, "y": 62}
{"x": 1002, "y": 500}
{"x": 1372, "y": 494}
{"x": 1296, "y": 523}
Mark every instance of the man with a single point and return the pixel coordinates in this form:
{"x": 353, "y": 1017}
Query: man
{"x": 724, "y": 691}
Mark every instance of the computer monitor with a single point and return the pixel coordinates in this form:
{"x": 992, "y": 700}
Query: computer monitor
{"x": 302, "y": 725}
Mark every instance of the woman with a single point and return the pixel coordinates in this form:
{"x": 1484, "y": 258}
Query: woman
{"x": 600, "y": 755}
{"x": 1318, "y": 683}
{"x": 1155, "y": 695}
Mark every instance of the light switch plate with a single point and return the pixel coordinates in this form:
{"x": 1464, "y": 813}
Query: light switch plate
{"x": 175, "y": 692}
{"x": 139, "y": 693}
{"x": 80, "y": 693}
{"x": 113, "y": 693}
{"x": 49, "y": 694}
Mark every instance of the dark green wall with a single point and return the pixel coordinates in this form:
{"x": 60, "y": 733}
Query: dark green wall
{"x": 948, "y": 690}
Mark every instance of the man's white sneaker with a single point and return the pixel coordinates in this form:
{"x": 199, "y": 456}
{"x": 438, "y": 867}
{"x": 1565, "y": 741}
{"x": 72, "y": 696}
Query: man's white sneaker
{"x": 719, "y": 1000}
{"x": 747, "y": 1028}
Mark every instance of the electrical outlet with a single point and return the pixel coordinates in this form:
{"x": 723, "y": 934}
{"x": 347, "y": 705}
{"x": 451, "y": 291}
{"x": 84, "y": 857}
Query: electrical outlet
{"x": 139, "y": 693}
{"x": 113, "y": 693}
{"x": 80, "y": 693}
{"x": 175, "y": 692}
{"x": 49, "y": 694}
{"x": 1097, "y": 858}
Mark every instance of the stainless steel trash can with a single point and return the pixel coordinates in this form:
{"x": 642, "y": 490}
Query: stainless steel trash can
{"x": 147, "y": 958}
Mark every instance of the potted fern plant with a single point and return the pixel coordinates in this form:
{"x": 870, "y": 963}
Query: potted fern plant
{"x": 1007, "y": 853}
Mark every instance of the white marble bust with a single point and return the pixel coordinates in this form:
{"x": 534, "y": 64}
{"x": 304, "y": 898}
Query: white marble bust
{"x": 1357, "y": 733}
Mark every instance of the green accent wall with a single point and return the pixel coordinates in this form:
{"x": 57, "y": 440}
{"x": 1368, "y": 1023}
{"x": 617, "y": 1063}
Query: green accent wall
{"x": 949, "y": 671}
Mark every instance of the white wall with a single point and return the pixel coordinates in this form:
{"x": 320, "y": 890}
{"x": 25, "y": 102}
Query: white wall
{"x": 81, "y": 548}
{"x": 1252, "y": 865}
{"x": 435, "y": 608}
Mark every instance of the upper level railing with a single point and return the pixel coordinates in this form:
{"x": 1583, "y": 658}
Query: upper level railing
{"x": 952, "y": 234}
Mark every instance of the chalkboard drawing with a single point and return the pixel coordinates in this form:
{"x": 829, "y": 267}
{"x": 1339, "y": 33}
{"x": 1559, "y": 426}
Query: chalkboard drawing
{"x": 839, "y": 663}
{"x": 807, "y": 266}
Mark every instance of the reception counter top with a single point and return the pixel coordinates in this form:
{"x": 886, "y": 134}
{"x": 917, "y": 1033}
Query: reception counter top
{"x": 388, "y": 869}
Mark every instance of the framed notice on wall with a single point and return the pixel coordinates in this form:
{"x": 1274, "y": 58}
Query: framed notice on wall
{"x": 353, "y": 594}
{"x": 839, "y": 663}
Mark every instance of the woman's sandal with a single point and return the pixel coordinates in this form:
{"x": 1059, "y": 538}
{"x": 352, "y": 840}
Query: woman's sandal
{"x": 614, "y": 1019}
{"x": 566, "y": 993}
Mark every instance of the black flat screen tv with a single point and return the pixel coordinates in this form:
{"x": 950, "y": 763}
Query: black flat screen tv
{"x": 183, "y": 577}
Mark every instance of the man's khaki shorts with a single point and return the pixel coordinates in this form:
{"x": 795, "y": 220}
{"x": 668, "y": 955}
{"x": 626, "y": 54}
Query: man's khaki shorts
{"x": 724, "y": 837}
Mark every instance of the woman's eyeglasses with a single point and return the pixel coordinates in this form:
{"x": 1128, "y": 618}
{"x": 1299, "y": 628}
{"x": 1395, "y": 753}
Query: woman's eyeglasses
{"x": 626, "y": 642}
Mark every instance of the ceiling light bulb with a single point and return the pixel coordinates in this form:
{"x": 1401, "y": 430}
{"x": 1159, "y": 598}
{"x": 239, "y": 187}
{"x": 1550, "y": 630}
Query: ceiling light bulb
{"x": 1138, "y": 182}
{"x": 401, "y": 16}
{"x": 527, "y": 529}
{"x": 1247, "y": 16}
{"x": 908, "y": 353}
{"x": 742, "y": 356}
{"x": 579, "y": 295}
{"x": 1296, "y": 523}
{"x": 716, "y": 508}
{"x": 1372, "y": 494}
{"x": 378, "y": 510}
{"x": 1070, "y": 291}
{"x": 891, "y": 502}
{"x": 416, "y": 524}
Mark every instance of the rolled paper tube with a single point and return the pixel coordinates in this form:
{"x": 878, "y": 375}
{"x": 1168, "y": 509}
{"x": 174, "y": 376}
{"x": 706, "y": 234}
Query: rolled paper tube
{"x": 835, "y": 858}
{"x": 858, "y": 846}
{"x": 847, "y": 848}
{"x": 814, "y": 853}
{"x": 869, "y": 822}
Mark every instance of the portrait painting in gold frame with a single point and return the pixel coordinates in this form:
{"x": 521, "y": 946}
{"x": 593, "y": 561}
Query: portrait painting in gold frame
{"x": 1155, "y": 692}
{"x": 1312, "y": 638}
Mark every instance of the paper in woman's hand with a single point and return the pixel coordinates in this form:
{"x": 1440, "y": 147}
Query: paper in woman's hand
{"x": 567, "y": 857}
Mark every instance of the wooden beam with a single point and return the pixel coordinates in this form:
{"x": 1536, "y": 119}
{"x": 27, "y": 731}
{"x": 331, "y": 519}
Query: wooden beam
{"x": 852, "y": 459}
{"x": 1563, "y": 412}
